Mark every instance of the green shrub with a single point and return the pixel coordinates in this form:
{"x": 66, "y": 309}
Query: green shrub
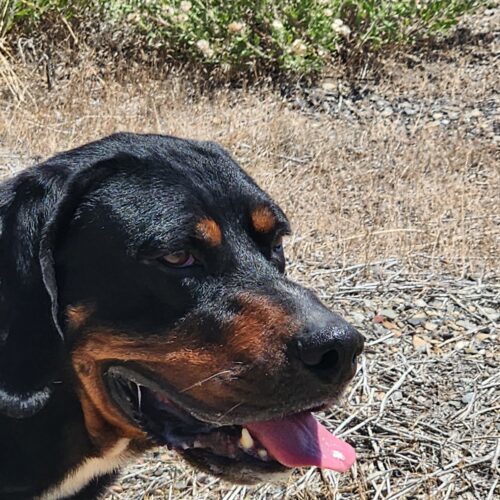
{"x": 291, "y": 36}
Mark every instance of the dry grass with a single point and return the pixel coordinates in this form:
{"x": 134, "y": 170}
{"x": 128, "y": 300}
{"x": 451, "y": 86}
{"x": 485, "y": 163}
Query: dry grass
{"x": 355, "y": 192}
{"x": 423, "y": 204}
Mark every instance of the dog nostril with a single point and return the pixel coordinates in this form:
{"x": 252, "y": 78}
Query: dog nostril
{"x": 328, "y": 361}
{"x": 331, "y": 353}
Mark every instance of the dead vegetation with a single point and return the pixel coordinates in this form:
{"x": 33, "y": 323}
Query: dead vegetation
{"x": 355, "y": 192}
{"x": 396, "y": 228}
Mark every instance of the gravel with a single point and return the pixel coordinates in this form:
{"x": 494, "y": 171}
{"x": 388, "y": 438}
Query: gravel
{"x": 463, "y": 63}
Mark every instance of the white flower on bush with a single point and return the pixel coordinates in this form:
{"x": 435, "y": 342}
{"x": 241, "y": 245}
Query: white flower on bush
{"x": 168, "y": 10}
{"x": 133, "y": 17}
{"x": 205, "y": 48}
{"x": 185, "y": 6}
{"x": 298, "y": 47}
{"x": 328, "y": 12}
{"x": 340, "y": 28}
{"x": 277, "y": 25}
{"x": 181, "y": 18}
{"x": 235, "y": 27}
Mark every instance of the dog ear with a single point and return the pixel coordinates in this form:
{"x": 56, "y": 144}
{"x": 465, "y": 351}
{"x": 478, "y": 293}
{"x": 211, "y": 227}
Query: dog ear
{"x": 35, "y": 209}
{"x": 25, "y": 336}
{"x": 76, "y": 187}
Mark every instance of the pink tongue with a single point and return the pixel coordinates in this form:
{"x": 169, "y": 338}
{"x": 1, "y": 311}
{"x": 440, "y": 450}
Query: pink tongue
{"x": 300, "y": 441}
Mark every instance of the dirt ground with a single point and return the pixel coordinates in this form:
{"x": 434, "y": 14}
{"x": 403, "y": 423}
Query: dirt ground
{"x": 396, "y": 218}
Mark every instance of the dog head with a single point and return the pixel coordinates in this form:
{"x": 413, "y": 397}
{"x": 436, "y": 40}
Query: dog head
{"x": 165, "y": 271}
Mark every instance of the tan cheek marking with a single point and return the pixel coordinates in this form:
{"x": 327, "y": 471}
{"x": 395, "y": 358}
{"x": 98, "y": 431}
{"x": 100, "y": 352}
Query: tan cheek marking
{"x": 210, "y": 231}
{"x": 257, "y": 334}
{"x": 103, "y": 421}
{"x": 263, "y": 220}
{"x": 260, "y": 330}
{"x": 178, "y": 361}
{"x": 77, "y": 315}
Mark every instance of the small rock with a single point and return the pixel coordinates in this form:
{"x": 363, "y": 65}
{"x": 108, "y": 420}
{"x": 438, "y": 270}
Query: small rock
{"x": 388, "y": 111}
{"x": 468, "y": 397}
{"x": 430, "y": 326}
{"x": 483, "y": 337}
{"x": 329, "y": 86}
{"x": 388, "y": 313}
{"x": 474, "y": 113}
{"x": 380, "y": 330}
{"x": 357, "y": 317}
{"x": 416, "y": 320}
{"x": 389, "y": 325}
{"x": 466, "y": 324}
{"x": 420, "y": 344}
{"x": 397, "y": 395}
{"x": 396, "y": 339}
{"x": 492, "y": 314}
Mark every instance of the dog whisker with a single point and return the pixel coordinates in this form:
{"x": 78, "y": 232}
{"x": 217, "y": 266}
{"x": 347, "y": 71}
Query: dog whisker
{"x": 203, "y": 381}
{"x": 237, "y": 405}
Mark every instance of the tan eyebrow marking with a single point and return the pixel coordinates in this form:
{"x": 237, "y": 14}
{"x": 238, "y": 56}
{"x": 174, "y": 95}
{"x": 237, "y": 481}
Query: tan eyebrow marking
{"x": 77, "y": 315}
{"x": 263, "y": 220}
{"x": 210, "y": 231}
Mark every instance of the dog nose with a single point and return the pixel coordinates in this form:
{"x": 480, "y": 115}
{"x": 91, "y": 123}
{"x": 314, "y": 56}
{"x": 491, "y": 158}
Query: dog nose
{"x": 331, "y": 350}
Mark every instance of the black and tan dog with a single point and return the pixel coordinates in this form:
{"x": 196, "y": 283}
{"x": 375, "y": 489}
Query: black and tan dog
{"x": 143, "y": 301}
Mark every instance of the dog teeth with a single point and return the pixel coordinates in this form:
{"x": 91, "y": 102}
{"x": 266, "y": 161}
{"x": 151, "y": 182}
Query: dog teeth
{"x": 338, "y": 455}
{"x": 262, "y": 453}
{"x": 246, "y": 440}
{"x": 139, "y": 397}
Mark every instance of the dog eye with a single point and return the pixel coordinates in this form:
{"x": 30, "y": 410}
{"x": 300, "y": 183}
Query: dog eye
{"x": 278, "y": 245}
{"x": 179, "y": 259}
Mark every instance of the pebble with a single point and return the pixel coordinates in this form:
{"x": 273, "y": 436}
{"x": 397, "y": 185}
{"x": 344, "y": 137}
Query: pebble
{"x": 357, "y": 317}
{"x": 416, "y": 320}
{"x": 388, "y": 111}
{"x": 420, "y": 343}
{"x": 397, "y": 395}
{"x": 430, "y": 326}
{"x": 447, "y": 111}
{"x": 388, "y": 313}
{"x": 421, "y": 303}
{"x": 468, "y": 397}
{"x": 466, "y": 324}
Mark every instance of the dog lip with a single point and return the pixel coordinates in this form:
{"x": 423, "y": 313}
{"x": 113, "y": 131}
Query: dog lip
{"x": 167, "y": 424}
{"x": 144, "y": 377}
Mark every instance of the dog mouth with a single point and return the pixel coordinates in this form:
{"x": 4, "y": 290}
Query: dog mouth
{"x": 258, "y": 448}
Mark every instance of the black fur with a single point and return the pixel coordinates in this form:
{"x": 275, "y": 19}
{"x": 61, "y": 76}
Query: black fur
{"x": 42, "y": 435}
{"x": 87, "y": 227}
